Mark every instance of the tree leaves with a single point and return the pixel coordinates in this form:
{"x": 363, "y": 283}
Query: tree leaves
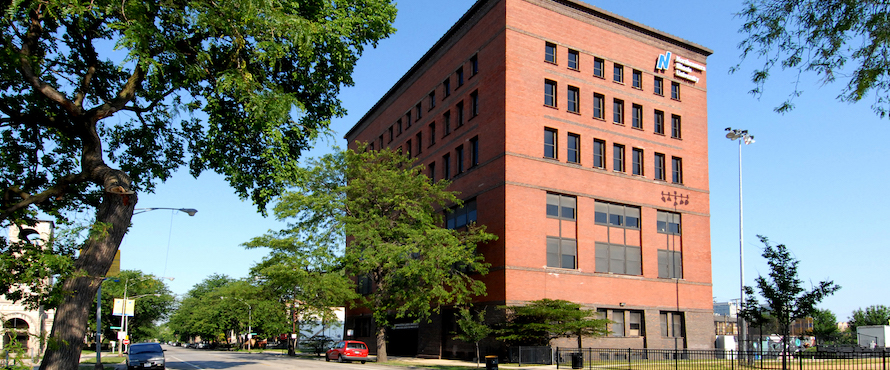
{"x": 837, "y": 38}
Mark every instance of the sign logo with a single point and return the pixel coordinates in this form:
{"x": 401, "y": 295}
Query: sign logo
{"x": 664, "y": 61}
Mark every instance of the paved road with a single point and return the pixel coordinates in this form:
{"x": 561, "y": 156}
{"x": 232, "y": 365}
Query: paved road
{"x": 179, "y": 358}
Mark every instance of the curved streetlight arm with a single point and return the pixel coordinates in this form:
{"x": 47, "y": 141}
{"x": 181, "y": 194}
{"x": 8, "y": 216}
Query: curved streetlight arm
{"x": 190, "y": 211}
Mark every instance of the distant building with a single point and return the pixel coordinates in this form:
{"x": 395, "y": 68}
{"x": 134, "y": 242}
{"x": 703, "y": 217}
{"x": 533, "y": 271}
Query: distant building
{"x": 24, "y": 325}
{"x": 580, "y": 138}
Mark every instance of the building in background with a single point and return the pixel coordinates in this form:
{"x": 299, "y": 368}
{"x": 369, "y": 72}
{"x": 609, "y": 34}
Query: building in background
{"x": 20, "y": 323}
{"x": 579, "y": 137}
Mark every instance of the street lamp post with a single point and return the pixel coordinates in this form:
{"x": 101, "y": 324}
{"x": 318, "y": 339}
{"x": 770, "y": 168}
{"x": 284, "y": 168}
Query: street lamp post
{"x": 124, "y": 317}
{"x": 249, "y": 319}
{"x": 743, "y": 137}
{"x": 99, "y": 324}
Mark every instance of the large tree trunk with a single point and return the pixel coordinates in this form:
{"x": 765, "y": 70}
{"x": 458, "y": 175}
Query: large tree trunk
{"x": 70, "y": 326}
{"x": 381, "y": 344}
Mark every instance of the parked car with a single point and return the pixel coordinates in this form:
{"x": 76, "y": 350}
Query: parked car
{"x": 348, "y": 350}
{"x": 145, "y": 356}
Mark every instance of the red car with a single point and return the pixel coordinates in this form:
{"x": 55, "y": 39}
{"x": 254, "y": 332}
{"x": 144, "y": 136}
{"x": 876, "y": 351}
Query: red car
{"x": 348, "y": 350}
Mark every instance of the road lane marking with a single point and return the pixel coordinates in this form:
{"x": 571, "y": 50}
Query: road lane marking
{"x": 187, "y": 363}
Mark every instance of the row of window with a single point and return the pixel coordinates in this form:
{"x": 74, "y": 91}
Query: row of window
{"x": 565, "y": 207}
{"x": 613, "y": 258}
{"x": 599, "y": 70}
{"x": 619, "y": 156}
{"x": 449, "y": 123}
{"x": 573, "y": 105}
{"x": 460, "y": 164}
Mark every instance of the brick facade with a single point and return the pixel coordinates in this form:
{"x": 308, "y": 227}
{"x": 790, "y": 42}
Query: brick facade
{"x": 514, "y": 171}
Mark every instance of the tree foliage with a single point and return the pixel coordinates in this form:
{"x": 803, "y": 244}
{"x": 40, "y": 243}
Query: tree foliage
{"x": 833, "y": 39}
{"x": 392, "y": 214}
{"x": 155, "y": 305}
{"x": 871, "y": 315}
{"x": 220, "y": 305}
{"x": 785, "y": 299}
{"x": 101, "y": 99}
{"x": 543, "y": 320}
{"x": 472, "y": 328}
{"x": 824, "y": 326}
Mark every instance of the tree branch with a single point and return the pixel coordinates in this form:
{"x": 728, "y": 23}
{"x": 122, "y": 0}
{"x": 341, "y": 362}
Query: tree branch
{"x": 29, "y": 43}
{"x": 27, "y": 199}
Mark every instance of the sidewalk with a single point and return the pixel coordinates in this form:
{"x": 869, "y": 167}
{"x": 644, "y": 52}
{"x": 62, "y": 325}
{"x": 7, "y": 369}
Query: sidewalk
{"x": 444, "y": 362}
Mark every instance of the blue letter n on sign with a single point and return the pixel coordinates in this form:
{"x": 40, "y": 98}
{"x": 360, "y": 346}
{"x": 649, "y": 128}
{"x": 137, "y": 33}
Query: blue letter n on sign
{"x": 664, "y": 61}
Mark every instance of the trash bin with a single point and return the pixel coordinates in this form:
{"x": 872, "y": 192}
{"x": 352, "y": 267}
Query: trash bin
{"x": 491, "y": 362}
{"x": 577, "y": 360}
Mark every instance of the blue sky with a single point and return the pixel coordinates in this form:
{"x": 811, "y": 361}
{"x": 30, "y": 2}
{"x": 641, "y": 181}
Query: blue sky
{"x": 820, "y": 157}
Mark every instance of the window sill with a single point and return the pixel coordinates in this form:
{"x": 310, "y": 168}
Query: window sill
{"x": 676, "y": 99}
{"x": 618, "y": 82}
{"x": 549, "y": 62}
{"x": 603, "y": 77}
{"x": 637, "y": 88}
{"x": 599, "y": 118}
{"x": 574, "y": 112}
{"x": 636, "y": 128}
{"x": 618, "y": 123}
{"x": 551, "y": 106}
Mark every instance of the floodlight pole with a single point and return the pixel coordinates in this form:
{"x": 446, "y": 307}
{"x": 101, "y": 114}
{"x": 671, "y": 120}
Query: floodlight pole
{"x": 741, "y": 136}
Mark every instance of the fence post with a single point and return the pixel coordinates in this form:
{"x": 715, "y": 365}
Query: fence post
{"x": 732, "y": 360}
{"x": 884, "y": 358}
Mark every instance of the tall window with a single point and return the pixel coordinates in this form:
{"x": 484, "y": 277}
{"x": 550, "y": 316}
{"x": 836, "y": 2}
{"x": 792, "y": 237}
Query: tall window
{"x": 446, "y": 87}
{"x": 618, "y": 323}
{"x": 432, "y": 126}
{"x": 407, "y": 120}
{"x": 431, "y": 102}
{"x": 637, "y": 116}
{"x": 419, "y": 113}
{"x": 658, "y": 85}
{"x": 668, "y": 223}
{"x": 677, "y": 167}
{"x": 390, "y": 135}
{"x": 670, "y": 264}
{"x": 635, "y": 324}
{"x": 474, "y": 103}
{"x": 446, "y": 166}
{"x": 459, "y": 159}
{"x": 637, "y": 161}
{"x": 659, "y": 166}
{"x": 447, "y": 118}
{"x": 658, "y": 123}
{"x": 675, "y": 90}
{"x": 599, "y": 153}
{"x": 618, "y": 111}
{"x": 599, "y": 106}
{"x": 408, "y": 147}
{"x": 573, "y": 148}
{"x": 463, "y": 216}
{"x": 419, "y": 139}
{"x": 561, "y": 252}
{"x": 550, "y": 143}
{"x": 618, "y": 259}
{"x": 561, "y": 206}
{"x": 550, "y": 53}
{"x": 637, "y": 79}
{"x": 399, "y": 124}
{"x": 616, "y": 215}
{"x": 572, "y": 99}
{"x": 474, "y": 65}
{"x": 618, "y": 157}
{"x": 432, "y": 168}
{"x": 474, "y": 151}
{"x": 460, "y": 76}
{"x": 618, "y": 73}
{"x": 672, "y": 325}
{"x": 550, "y": 93}
{"x": 460, "y": 113}
{"x": 574, "y": 58}
{"x": 675, "y": 126}
{"x": 599, "y": 67}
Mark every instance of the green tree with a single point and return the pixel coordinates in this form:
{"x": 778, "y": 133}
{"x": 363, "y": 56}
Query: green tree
{"x": 824, "y": 326}
{"x": 472, "y": 328}
{"x": 397, "y": 243}
{"x": 307, "y": 283}
{"x": 244, "y": 86}
{"x": 871, "y": 315}
{"x": 833, "y": 38}
{"x": 543, "y": 320}
{"x": 155, "y": 304}
{"x": 784, "y": 296}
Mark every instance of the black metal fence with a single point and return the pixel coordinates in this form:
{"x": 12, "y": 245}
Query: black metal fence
{"x": 530, "y": 355}
{"x": 658, "y": 359}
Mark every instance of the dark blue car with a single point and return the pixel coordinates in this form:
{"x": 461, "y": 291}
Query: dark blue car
{"x": 145, "y": 356}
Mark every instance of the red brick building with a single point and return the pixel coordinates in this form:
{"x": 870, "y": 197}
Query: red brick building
{"x": 580, "y": 138}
